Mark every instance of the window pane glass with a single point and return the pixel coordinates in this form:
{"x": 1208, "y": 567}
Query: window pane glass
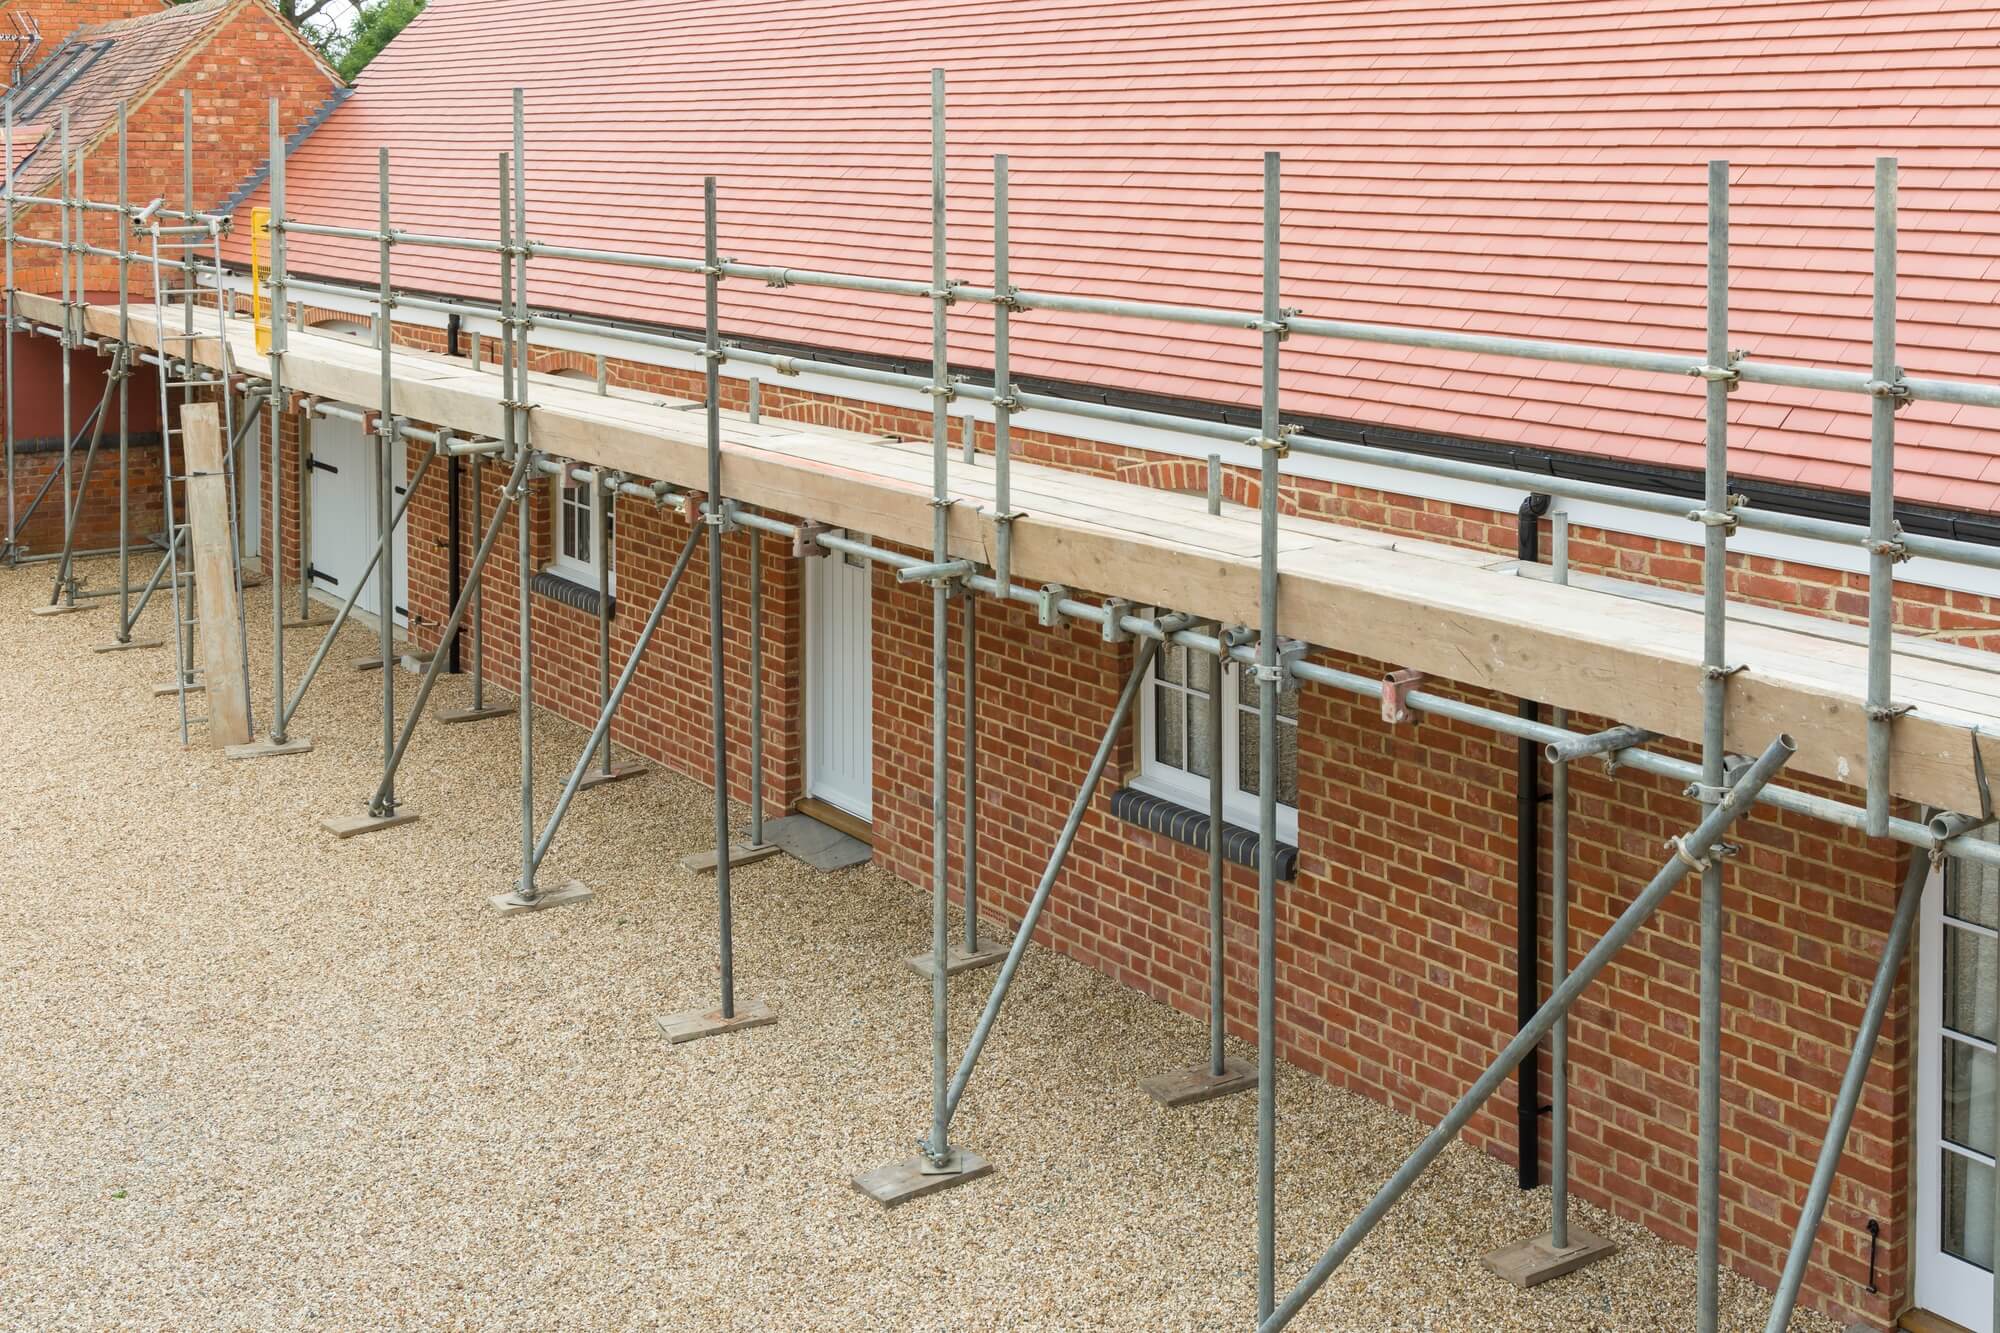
{"x": 1246, "y": 750}
{"x": 1288, "y": 703}
{"x": 1968, "y": 1209}
{"x": 1972, "y": 891}
{"x": 1168, "y": 728}
{"x": 1968, "y": 1096}
{"x": 1199, "y": 712}
{"x": 1173, "y": 663}
{"x": 1968, "y": 982}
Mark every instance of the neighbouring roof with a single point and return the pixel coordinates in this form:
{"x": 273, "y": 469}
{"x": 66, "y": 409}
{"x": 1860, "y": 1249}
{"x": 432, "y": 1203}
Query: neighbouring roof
{"x": 94, "y": 71}
{"x": 1534, "y": 169}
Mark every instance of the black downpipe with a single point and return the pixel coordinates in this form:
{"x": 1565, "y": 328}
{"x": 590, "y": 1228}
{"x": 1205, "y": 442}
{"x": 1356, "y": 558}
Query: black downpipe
{"x": 454, "y": 554}
{"x": 1528, "y": 888}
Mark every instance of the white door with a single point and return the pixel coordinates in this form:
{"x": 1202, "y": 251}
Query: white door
{"x": 345, "y": 519}
{"x": 1955, "y": 1094}
{"x": 840, "y": 694}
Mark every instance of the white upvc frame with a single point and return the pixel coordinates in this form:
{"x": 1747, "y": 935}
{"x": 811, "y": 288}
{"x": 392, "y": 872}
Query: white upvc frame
{"x": 1190, "y": 789}
{"x": 1945, "y": 1284}
{"x": 570, "y": 501}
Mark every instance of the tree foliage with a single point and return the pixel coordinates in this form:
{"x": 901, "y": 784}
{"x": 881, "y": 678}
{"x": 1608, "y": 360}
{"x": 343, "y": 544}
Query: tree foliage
{"x": 375, "y": 27}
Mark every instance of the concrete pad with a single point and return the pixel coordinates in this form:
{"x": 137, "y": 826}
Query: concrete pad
{"x": 597, "y": 777}
{"x": 740, "y": 854}
{"x": 1528, "y": 1263}
{"x": 914, "y": 1177}
{"x": 562, "y": 895}
{"x": 173, "y": 687}
{"x": 1187, "y": 1087}
{"x": 699, "y": 1023}
{"x": 60, "y": 610}
{"x": 266, "y": 748}
{"x": 353, "y": 826}
{"x": 415, "y": 663}
{"x": 476, "y": 714}
{"x": 816, "y": 844}
{"x": 993, "y": 946}
{"x": 116, "y": 647}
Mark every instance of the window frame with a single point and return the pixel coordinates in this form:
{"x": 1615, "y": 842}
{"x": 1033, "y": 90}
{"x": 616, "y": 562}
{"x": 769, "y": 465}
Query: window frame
{"x": 560, "y": 562}
{"x": 1184, "y": 787}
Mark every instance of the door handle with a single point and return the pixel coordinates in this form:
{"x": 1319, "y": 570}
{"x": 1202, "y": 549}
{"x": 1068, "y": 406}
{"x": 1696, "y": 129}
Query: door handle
{"x": 320, "y": 574}
{"x": 312, "y": 461}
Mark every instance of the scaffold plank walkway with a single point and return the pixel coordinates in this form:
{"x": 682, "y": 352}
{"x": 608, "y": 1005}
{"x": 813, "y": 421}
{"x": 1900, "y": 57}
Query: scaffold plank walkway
{"x": 1411, "y": 603}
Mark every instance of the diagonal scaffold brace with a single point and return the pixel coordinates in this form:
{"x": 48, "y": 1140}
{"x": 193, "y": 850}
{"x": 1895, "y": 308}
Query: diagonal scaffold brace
{"x": 1691, "y": 853}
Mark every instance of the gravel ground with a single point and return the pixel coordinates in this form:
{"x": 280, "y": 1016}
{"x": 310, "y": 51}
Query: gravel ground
{"x": 256, "y": 1078}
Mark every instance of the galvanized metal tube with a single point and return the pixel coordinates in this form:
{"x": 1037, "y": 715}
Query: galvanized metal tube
{"x": 718, "y": 704}
{"x": 1695, "y": 846}
{"x": 938, "y": 1145}
{"x": 1851, "y": 1085}
{"x": 385, "y": 802}
{"x": 1613, "y": 740}
{"x": 1268, "y": 676}
{"x": 7, "y": 371}
{"x": 616, "y": 696}
{"x": 1559, "y": 943}
{"x": 1143, "y": 663}
{"x": 124, "y": 631}
{"x": 1714, "y": 683}
{"x": 68, "y": 338}
{"x": 518, "y": 428}
{"x": 969, "y": 686}
{"x": 276, "y": 554}
{"x": 603, "y": 497}
{"x": 1003, "y": 384}
{"x": 1217, "y": 906}
{"x": 1882, "y": 526}
{"x": 477, "y": 583}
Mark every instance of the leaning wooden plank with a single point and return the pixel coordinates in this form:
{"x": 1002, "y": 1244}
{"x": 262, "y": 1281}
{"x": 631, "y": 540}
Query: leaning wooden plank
{"x": 1586, "y": 650}
{"x": 219, "y": 629}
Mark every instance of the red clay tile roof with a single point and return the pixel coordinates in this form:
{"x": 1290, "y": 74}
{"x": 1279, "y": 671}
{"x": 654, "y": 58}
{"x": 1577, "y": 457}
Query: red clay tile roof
{"x": 1524, "y": 168}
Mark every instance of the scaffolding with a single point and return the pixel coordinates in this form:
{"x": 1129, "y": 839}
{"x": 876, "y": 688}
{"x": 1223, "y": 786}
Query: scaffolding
{"x": 1723, "y": 786}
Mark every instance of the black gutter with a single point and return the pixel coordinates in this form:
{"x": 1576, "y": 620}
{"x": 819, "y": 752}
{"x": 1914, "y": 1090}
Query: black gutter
{"x": 1528, "y": 889}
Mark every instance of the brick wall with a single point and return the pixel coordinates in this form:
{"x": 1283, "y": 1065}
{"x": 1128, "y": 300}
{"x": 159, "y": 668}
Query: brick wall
{"x": 1396, "y": 940}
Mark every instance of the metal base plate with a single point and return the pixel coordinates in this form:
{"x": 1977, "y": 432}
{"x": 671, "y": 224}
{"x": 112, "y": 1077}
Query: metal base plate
{"x": 60, "y": 610}
{"x": 993, "y": 946}
{"x": 561, "y": 895}
{"x": 914, "y": 1177}
{"x": 476, "y": 714}
{"x": 597, "y": 777}
{"x": 116, "y": 647}
{"x": 1527, "y": 1263}
{"x": 699, "y": 1023}
{"x": 1187, "y": 1087}
{"x": 740, "y": 854}
{"x": 172, "y": 687}
{"x": 317, "y": 622}
{"x": 267, "y": 748}
{"x": 353, "y": 826}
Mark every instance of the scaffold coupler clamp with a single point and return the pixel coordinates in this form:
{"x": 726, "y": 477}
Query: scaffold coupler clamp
{"x": 805, "y": 540}
{"x": 1896, "y": 390}
{"x": 1729, "y": 375}
{"x": 1893, "y": 547}
{"x": 446, "y": 437}
{"x": 1115, "y": 611}
{"x": 949, "y": 292}
{"x": 1396, "y": 688}
{"x": 1281, "y": 446}
{"x": 720, "y": 268}
{"x": 1048, "y": 605}
{"x": 1009, "y": 299}
{"x": 723, "y": 516}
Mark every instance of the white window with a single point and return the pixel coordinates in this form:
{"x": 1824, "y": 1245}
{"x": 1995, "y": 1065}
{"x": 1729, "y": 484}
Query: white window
{"x": 574, "y": 510}
{"x": 1175, "y": 714}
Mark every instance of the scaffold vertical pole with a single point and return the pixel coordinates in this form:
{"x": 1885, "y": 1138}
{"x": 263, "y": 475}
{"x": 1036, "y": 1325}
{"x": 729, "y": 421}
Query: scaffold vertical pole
{"x": 12, "y": 550}
{"x": 1559, "y": 1238}
{"x": 65, "y": 586}
{"x": 276, "y": 409}
{"x": 1269, "y": 675}
{"x": 604, "y": 497}
{"x": 1884, "y": 533}
{"x": 1003, "y": 390}
{"x": 385, "y": 802}
{"x": 1716, "y": 520}
{"x": 123, "y": 638}
{"x": 938, "y": 1146}
{"x": 969, "y": 685}
{"x": 756, "y": 673}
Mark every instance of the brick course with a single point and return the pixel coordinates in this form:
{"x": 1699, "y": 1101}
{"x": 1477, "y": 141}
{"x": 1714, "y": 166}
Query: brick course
{"x": 1396, "y": 970}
